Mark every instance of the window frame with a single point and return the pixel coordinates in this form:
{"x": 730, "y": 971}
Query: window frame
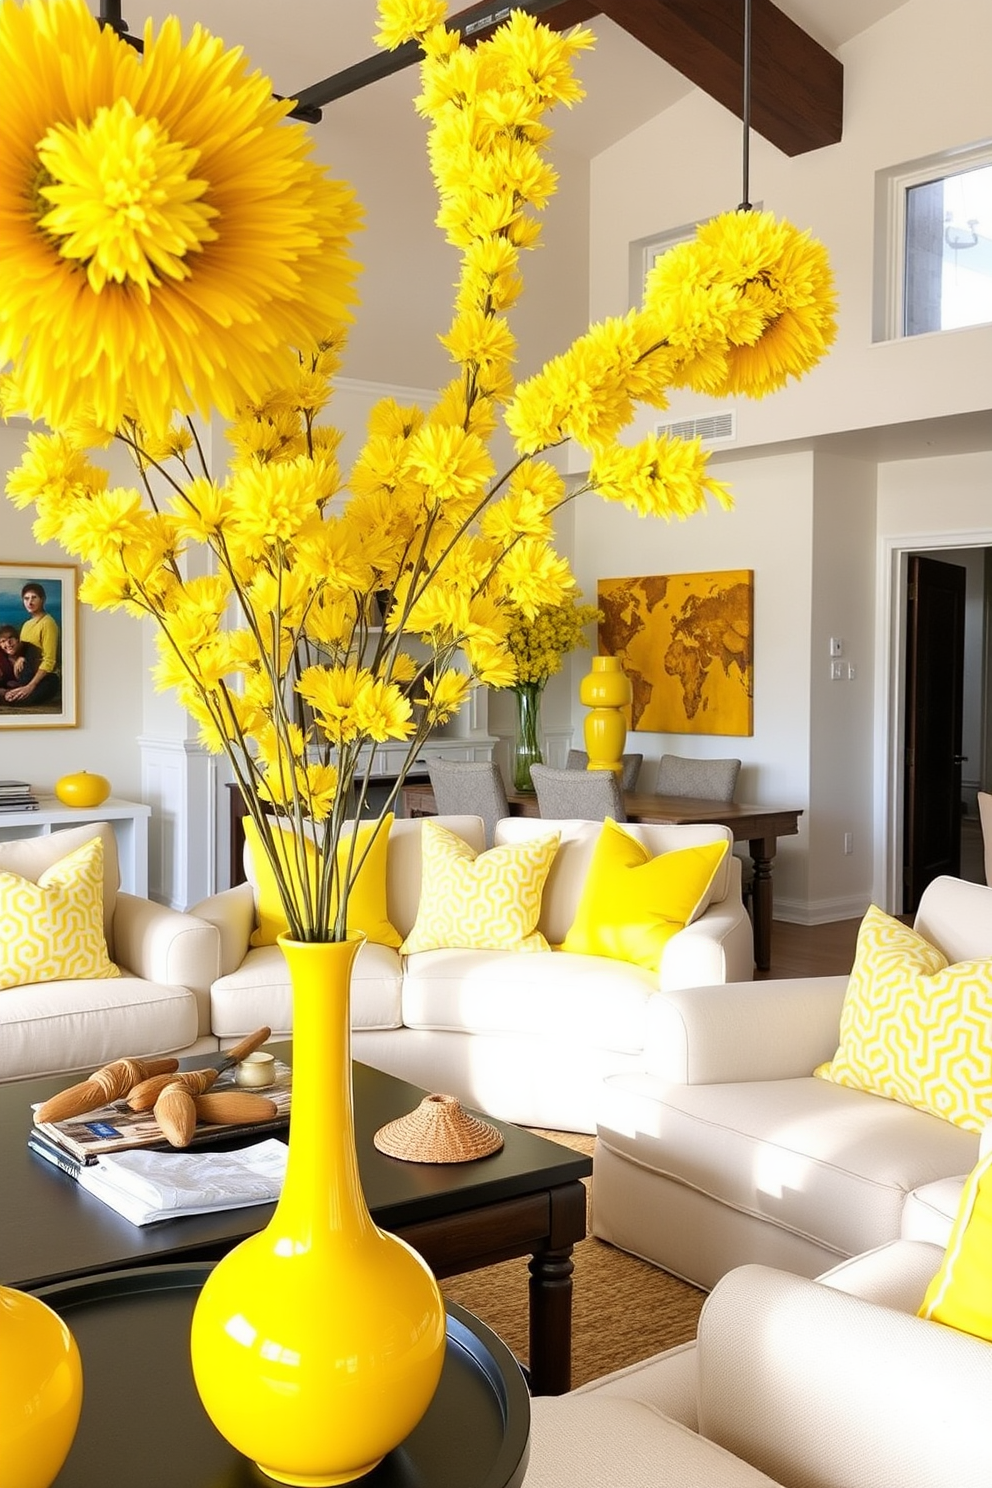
{"x": 892, "y": 187}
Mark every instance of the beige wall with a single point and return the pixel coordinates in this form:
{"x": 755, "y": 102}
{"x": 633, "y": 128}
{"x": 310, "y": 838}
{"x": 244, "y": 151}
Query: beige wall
{"x": 915, "y": 83}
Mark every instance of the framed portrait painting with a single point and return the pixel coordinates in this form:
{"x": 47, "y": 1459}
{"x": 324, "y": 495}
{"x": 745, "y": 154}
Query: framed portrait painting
{"x": 38, "y": 649}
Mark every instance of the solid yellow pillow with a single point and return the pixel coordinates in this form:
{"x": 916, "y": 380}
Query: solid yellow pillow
{"x": 915, "y": 1029}
{"x": 632, "y": 903}
{"x": 52, "y": 930}
{"x": 960, "y": 1295}
{"x": 487, "y": 902}
{"x": 367, "y": 909}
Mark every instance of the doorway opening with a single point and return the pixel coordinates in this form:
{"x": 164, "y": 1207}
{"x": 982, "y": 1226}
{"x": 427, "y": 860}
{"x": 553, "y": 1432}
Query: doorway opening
{"x": 937, "y": 763}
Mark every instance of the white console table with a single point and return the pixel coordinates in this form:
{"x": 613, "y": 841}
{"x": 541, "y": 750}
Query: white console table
{"x": 129, "y": 820}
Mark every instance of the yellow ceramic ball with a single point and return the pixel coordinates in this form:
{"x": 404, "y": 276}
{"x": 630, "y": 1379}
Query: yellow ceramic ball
{"x": 82, "y": 789}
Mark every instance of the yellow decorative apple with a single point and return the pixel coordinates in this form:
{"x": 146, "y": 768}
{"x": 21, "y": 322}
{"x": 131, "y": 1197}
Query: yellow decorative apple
{"x": 82, "y": 789}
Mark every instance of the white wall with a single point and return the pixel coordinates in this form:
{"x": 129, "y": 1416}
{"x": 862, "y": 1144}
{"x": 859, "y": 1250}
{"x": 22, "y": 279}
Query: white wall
{"x": 915, "y": 83}
{"x": 771, "y": 532}
{"x": 841, "y": 714}
{"x": 110, "y": 703}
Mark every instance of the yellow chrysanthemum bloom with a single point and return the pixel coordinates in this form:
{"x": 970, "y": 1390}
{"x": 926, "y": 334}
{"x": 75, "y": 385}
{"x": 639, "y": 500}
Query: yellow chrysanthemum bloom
{"x": 209, "y": 242}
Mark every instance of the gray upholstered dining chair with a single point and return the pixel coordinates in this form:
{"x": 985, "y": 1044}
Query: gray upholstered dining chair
{"x": 705, "y": 779}
{"x": 578, "y": 760}
{"x": 589, "y": 795}
{"x": 469, "y": 788}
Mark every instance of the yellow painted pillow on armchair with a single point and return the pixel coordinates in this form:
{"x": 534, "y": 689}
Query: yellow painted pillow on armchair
{"x": 52, "y": 930}
{"x": 480, "y": 902}
{"x": 960, "y": 1295}
{"x": 367, "y": 910}
{"x": 632, "y": 903}
{"x": 915, "y": 1029}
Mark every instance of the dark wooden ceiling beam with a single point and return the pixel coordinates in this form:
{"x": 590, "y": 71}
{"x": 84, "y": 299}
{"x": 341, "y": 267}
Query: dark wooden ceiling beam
{"x": 797, "y": 86}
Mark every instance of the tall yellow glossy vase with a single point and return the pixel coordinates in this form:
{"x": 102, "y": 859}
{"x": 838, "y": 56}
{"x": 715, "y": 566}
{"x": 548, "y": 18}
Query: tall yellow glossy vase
{"x": 317, "y": 1344}
{"x": 41, "y": 1391}
{"x": 606, "y": 691}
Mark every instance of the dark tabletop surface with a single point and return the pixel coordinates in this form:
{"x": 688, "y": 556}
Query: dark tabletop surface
{"x": 51, "y": 1228}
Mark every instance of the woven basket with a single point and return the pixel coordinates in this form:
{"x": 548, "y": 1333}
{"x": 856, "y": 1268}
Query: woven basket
{"x": 438, "y": 1131}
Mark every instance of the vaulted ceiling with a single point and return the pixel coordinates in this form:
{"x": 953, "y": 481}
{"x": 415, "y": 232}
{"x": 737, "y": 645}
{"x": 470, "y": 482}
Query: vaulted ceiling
{"x": 797, "y": 86}
{"x": 649, "y": 53}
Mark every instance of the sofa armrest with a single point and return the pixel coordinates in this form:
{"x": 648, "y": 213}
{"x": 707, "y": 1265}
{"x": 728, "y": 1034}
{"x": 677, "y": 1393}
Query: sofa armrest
{"x": 716, "y": 948}
{"x": 775, "y": 1030}
{"x": 161, "y": 944}
{"x": 811, "y": 1385}
{"x": 232, "y": 913}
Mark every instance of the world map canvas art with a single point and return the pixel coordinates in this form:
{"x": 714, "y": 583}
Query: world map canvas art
{"x": 686, "y": 643}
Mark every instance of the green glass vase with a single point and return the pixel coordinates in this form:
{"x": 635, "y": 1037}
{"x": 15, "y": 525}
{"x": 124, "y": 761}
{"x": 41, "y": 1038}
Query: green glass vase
{"x": 527, "y": 743}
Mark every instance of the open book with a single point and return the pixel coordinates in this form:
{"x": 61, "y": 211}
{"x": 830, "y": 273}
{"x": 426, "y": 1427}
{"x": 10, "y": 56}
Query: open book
{"x": 115, "y": 1128}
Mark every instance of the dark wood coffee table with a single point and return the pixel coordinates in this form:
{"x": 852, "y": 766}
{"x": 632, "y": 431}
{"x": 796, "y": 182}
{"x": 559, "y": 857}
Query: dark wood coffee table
{"x": 526, "y": 1199}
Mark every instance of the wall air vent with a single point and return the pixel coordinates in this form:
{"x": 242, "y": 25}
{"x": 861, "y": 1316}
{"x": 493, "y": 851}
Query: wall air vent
{"x": 712, "y": 428}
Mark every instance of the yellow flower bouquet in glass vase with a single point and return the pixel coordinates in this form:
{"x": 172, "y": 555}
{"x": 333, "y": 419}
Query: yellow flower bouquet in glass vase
{"x": 539, "y": 647}
{"x": 173, "y": 255}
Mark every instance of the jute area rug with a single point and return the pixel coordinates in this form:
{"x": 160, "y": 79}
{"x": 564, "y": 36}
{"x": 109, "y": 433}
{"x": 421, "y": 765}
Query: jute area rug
{"x": 623, "y": 1308}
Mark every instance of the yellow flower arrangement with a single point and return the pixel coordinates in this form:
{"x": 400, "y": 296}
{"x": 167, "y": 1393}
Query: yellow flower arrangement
{"x": 170, "y": 249}
{"x": 540, "y": 645}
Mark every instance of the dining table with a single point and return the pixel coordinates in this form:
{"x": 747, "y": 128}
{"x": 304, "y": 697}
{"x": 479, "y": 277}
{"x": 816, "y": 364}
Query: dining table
{"x": 759, "y": 826}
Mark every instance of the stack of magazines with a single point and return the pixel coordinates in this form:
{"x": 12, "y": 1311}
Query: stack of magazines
{"x": 81, "y": 1141}
{"x": 17, "y": 795}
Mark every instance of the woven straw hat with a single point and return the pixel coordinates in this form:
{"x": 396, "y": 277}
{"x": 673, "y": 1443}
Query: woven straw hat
{"x": 438, "y": 1131}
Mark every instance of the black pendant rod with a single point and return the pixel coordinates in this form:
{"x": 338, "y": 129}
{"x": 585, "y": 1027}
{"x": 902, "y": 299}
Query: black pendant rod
{"x": 745, "y": 205}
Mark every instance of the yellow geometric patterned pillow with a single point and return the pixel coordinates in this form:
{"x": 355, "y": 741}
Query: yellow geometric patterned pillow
{"x": 487, "y": 902}
{"x": 960, "y": 1295}
{"x": 52, "y": 930}
{"x": 915, "y": 1029}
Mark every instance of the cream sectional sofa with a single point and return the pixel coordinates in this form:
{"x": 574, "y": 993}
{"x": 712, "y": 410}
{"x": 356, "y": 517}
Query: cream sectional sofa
{"x": 161, "y": 1003}
{"x": 826, "y": 1383}
{"x": 722, "y": 1148}
{"x": 527, "y": 1037}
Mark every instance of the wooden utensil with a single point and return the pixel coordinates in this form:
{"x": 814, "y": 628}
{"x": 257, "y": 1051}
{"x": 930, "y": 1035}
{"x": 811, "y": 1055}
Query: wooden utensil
{"x": 231, "y": 1107}
{"x": 175, "y": 1112}
{"x": 144, "y": 1096}
{"x": 105, "y": 1085}
{"x": 178, "y": 1109}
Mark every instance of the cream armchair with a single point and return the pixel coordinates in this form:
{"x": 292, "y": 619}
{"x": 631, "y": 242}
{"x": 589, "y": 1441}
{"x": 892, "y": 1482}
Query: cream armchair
{"x": 159, "y": 1005}
{"x": 833, "y": 1383}
{"x": 724, "y": 1149}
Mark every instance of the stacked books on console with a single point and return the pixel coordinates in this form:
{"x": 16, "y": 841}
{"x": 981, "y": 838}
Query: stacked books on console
{"x": 17, "y": 795}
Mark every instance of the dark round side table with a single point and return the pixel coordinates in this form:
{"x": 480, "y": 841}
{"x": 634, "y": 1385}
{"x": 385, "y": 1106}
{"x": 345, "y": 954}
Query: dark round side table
{"x": 142, "y": 1421}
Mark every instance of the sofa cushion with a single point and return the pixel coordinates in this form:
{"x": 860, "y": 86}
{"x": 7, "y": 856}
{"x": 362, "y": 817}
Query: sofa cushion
{"x": 914, "y": 1029}
{"x": 960, "y": 1295}
{"x": 577, "y": 1000}
{"x": 480, "y": 901}
{"x": 632, "y": 903}
{"x": 578, "y": 842}
{"x": 30, "y": 856}
{"x": 366, "y": 901}
{"x": 820, "y": 1160}
{"x": 259, "y": 993}
{"x": 57, "y": 1026}
{"x": 610, "y": 1440}
{"x": 52, "y": 930}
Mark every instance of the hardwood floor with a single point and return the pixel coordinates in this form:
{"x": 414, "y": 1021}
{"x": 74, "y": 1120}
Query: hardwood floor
{"x": 811, "y": 950}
